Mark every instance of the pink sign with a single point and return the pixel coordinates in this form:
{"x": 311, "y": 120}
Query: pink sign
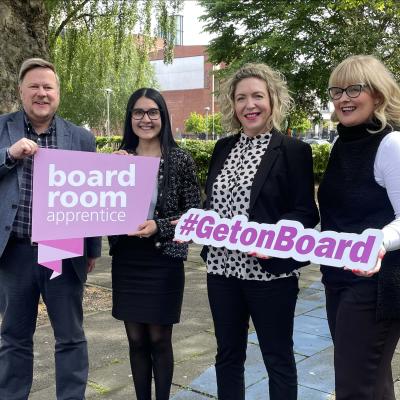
{"x": 283, "y": 240}
{"x": 81, "y": 194}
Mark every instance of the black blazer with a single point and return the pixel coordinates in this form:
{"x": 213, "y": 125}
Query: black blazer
{"x": 182, "y": 193}
{"x": 283, "y": 188}
{"x": 69, "y": 137}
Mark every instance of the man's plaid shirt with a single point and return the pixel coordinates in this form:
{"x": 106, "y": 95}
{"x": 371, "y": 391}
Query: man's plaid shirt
{"x": 22, "y": 227}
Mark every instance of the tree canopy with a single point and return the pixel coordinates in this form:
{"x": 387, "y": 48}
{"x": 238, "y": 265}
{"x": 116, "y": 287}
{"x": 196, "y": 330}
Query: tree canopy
{"x": 304, "y": 39}
{"x": 95, "y": 45}
{"x": 101, "y": 45}
{"x": 204, "y": 124}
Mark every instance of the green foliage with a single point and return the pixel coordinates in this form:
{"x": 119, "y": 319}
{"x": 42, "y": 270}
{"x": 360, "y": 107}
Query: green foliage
{"x": 167, "y": 26}
{"x": 304, "y": 39}
{"x": 320, "y": 153}
{"x": 130, "y": 16}
{"x": 201, "y": 151}
{"x": 89, "y": 67}
{"x": 103, "y": 44}
{"x": 195, "y": 123}
{"x": 104, "y": 143}
{"x": 299, "y": 120}
{"x": 106, "y": 149}
{"x": 217, "y": 124}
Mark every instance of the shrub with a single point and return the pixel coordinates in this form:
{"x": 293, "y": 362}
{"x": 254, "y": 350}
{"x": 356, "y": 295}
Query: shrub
{"x": 195, "y": 123}
{"x": 105, "y": 149}
{"x": 320, "y": 159}
{"x": 201, "y": 151}
{"x": 112, "y": 142}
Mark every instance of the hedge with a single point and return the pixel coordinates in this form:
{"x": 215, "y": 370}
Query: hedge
{"x": 201, "y": 152}
{"x": 320, "y": 153}
{"x": 105, "y": 143}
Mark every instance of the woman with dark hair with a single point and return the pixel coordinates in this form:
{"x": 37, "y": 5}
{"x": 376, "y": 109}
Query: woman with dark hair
{"x": 147, "y": 266}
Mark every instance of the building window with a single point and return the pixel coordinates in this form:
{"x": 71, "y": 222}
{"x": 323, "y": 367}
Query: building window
{"x": 178, "y": 30}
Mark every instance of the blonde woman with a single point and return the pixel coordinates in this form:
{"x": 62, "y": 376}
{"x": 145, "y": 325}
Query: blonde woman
{"x": 266, "y": 176}
{"x": 360, "y": 190}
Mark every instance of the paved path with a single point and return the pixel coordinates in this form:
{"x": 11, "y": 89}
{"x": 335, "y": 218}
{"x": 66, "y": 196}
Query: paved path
{"x": 194, "y": 346}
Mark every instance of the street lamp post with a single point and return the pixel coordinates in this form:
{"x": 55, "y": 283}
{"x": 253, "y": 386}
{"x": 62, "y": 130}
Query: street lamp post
{"x": 212, "y": 101}
{"x": 207, "y": 109}
{"x": 108, "y": 95}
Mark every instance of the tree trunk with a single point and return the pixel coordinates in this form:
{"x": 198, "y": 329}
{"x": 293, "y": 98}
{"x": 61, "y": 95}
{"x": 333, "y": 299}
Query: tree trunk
{"x": 23, "y": 34}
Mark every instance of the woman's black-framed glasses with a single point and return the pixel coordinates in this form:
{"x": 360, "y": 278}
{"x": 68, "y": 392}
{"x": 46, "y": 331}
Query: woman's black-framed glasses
{"x": 353, "y": 91}
{"x": 152, "y": 113}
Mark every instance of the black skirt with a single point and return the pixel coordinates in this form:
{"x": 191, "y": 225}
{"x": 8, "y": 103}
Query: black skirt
{"x": 147, "y": 286}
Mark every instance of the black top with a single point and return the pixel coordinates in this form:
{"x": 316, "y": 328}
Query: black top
{"x": 351, "y": 201}
{"x": 282, "y": 188}
{"x": 182, "y": 193}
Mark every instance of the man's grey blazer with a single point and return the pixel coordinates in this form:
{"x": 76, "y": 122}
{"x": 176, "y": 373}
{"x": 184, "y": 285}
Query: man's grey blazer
{"x": 69, "y": 137}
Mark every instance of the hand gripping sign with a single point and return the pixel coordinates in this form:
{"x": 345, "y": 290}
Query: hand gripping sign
{"x": 81, "y": 194}
{"x": 283, "y": 240}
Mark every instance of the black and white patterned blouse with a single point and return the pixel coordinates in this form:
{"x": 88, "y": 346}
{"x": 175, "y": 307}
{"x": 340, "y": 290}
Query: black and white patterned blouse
{"x": 230, "y": 197}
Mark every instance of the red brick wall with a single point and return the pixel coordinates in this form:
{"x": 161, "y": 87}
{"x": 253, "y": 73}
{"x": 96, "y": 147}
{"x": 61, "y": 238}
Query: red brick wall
{"x": 182, "y": 102}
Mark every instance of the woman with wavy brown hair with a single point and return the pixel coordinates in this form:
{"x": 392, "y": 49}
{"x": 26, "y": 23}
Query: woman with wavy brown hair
{"x": 266, "y": 176}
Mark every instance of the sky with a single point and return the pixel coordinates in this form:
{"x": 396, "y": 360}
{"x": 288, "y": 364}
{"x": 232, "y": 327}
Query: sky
{"x": 192, "y": 27}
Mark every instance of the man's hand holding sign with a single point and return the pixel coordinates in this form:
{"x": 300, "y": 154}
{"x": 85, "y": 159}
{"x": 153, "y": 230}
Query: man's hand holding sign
{"x": 100, "y": 194}
{"x": 23, "y": 148}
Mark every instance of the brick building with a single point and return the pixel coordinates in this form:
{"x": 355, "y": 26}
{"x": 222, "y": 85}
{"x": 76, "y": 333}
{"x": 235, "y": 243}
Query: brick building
{"x": 187, "y": 84}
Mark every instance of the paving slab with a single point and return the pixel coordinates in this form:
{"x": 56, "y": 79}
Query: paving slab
{"x": 260, "y": 391}
{"x": 305, "y": 291}
{"x": 186, "y": 371}
{"x": 194, "y": 345}
{"x": 308, "y": 344}
{"x": 191, "y": 395}
{"x": 317, "y": 284}
{"x": 319, "y": 312}
{"x": 397, "y": 389}
{"x": 205, "y": 383}
{"x": 317, "y": 296}
{"x": 304, "y": 305}
{"x": 317, "y": 372}
{"x": 313, "y": 325}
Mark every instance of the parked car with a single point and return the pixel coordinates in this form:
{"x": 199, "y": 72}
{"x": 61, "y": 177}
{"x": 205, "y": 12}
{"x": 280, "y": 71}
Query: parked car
{"x": 316, "y": 141}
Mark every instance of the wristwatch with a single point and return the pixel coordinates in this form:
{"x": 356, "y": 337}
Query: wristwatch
{"x": 10, "y": 160}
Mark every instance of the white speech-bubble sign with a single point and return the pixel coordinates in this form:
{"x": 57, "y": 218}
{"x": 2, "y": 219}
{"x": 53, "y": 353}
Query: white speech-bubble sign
{"x": 286, "y": 239}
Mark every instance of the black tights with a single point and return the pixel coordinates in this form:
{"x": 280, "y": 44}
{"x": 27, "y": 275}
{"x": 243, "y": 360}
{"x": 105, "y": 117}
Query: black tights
{"x": 150, "y": 350}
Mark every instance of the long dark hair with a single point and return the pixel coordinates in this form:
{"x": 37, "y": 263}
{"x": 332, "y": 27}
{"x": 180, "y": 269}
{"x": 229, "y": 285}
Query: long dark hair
{"x": 130, "y": 140}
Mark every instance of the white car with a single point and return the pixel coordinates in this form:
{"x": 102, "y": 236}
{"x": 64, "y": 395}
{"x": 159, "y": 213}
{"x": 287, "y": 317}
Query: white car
{"x": 316, "y": 141}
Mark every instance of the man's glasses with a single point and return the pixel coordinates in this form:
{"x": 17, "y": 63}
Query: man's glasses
{"x": 138, "y": 113}
{"x": 353, "y": 91}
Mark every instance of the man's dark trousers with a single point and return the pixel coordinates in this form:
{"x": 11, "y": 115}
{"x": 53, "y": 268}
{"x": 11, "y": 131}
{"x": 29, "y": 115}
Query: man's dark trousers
{"x": 23, "y": 280}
